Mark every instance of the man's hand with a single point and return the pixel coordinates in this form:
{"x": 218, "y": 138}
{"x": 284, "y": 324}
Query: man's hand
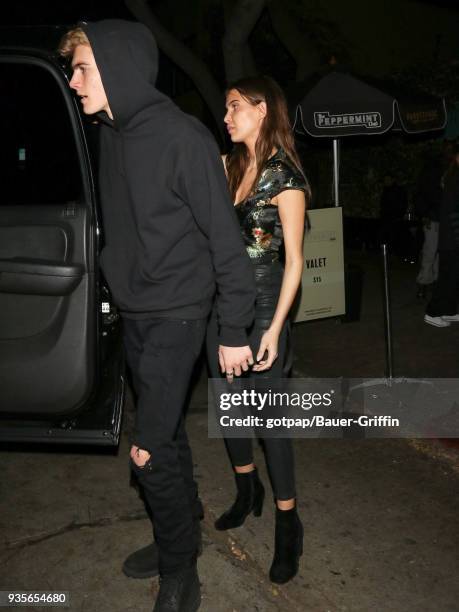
{"x": 234, "y": 360}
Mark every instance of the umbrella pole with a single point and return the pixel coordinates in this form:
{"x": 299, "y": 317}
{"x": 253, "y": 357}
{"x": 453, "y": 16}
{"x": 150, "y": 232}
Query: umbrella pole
{"x": 387, "y": 316}
{"x": 336, "y": 171}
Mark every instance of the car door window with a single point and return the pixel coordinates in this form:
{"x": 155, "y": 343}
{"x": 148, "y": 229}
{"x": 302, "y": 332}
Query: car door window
{"x": 38, "y": 157}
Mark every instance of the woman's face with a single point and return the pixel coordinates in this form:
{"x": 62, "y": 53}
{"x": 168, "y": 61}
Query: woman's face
{"x": 243, "y": 120}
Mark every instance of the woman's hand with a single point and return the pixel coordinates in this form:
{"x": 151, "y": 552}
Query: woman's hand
{"x": 269, "y": 344}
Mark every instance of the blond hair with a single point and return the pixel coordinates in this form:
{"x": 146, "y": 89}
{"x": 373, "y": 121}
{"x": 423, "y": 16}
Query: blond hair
{"x": 71, "y": 40}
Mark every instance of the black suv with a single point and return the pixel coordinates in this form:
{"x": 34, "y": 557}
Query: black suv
{"x": 61, "y": 365}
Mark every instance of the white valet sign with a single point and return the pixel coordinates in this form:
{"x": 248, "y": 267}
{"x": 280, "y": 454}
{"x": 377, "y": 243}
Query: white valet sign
{"x": 322, "y": 284}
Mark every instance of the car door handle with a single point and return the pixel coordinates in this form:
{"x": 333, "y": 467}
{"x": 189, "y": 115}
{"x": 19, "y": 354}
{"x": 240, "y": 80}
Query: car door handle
{"x": 39, "y": 277}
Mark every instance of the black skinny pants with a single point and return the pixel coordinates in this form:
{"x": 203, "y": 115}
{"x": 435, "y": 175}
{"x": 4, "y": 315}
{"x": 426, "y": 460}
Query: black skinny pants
{"x": 161, "y": 354}
{"x": 278, "y": 451}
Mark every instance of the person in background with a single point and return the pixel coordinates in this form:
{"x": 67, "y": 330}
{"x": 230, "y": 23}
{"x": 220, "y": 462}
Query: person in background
{"x": 270, "y": 193}
{"x": 442, "y": 310}
{"x": 427, "y": 200}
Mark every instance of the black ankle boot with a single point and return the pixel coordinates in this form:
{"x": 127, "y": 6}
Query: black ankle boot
{"x": 179, "y": 592}
{"x": 288, "y": 546}
{"x": 144, "y": 563}
{"x": 250, "y": 496}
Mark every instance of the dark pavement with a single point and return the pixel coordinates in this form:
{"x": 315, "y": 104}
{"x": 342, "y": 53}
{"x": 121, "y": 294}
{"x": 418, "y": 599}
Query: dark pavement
{"x": 381, "y": 516}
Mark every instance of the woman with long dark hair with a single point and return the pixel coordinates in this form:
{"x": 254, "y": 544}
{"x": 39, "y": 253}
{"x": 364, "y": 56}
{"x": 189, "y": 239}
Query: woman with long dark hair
{"x": 270, "y": 193}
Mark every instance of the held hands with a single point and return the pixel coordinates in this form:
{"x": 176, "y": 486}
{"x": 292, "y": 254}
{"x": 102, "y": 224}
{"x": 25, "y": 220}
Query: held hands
{"x": 269, "y": 347}
{"x": 234, "y": 360}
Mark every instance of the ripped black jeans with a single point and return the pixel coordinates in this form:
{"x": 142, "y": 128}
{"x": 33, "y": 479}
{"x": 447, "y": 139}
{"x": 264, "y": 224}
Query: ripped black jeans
{"x": 161, "y": 354}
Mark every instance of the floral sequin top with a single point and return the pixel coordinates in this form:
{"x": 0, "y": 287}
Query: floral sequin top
{"x": 259, "y": 219}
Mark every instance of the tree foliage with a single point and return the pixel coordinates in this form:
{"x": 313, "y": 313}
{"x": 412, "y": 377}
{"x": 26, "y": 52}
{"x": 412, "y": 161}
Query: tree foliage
{"x": 213, "y": 42}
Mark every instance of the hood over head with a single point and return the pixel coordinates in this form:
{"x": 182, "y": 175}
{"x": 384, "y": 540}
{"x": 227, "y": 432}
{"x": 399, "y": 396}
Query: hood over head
{"x": 126, "y": 55}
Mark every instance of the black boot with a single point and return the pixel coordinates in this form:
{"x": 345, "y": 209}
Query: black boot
{"x": 143, "y": 563}
{"x": 250, "y": 496}
{"x": 288, "y": 546}
{"x": 179, "y": 592}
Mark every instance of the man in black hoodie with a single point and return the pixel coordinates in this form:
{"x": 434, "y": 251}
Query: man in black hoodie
{"x": 171, "y": 239}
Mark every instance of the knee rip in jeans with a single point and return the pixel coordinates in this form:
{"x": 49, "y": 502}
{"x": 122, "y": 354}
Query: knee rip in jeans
{"x": 140, "y": 464}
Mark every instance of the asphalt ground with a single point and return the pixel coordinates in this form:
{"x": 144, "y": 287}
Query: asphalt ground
{"x": 380, "y": 516}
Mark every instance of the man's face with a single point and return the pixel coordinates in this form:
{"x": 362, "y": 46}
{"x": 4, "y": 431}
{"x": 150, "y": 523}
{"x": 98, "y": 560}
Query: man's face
{"x": 87, "y": 83}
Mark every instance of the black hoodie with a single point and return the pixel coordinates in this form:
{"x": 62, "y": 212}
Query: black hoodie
{"x": 171, "y": 232}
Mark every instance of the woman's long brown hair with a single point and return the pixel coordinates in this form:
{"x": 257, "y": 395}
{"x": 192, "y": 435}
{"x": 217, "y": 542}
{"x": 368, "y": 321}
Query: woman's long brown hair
{"x": 275, "y": 131}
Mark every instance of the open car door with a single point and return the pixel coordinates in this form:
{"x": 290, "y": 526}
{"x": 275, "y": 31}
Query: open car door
{"x": 61, "y": 367}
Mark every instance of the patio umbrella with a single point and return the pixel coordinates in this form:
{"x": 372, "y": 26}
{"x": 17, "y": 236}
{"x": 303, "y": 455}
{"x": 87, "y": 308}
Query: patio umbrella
{"x": 339, "y": 105}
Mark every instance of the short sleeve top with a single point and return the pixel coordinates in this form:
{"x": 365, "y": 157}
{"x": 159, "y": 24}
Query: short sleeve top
{"x": 259, "y": 218}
